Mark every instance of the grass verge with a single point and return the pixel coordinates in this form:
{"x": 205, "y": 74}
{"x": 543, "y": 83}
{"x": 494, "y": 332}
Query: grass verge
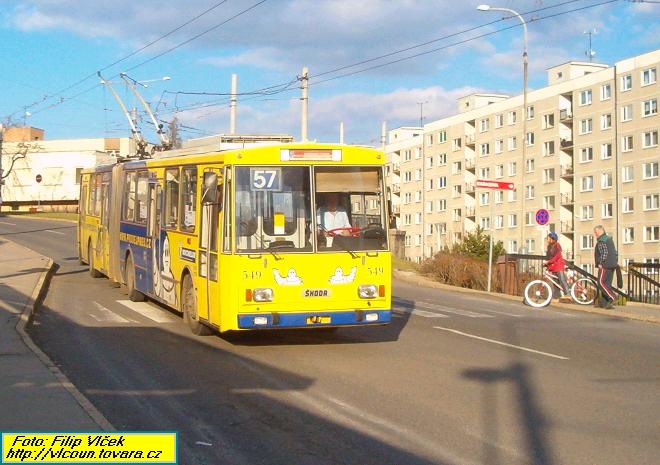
{"x": 45, "y": 215}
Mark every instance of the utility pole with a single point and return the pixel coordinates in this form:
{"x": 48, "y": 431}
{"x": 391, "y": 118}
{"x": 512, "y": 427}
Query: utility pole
{"x": 383, "y": 135}
{"x": 591, "y": 53}
{"x": 2, "y": 182}
{"x": 421, "y": 113}
{"x": 304, "y": 78}
{"x": 423, "y": 154}
{"x": 232, "y": 105}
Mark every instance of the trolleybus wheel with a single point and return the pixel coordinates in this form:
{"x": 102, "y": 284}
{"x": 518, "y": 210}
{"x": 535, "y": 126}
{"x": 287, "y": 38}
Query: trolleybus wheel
{"x": 133, "y": 294}
{"x": 90, "y": 258}
{"x": 189, "y": 307}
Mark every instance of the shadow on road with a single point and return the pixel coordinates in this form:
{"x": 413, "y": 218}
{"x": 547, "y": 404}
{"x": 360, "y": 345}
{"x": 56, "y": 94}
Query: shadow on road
{"x": 516, "y": 375}
{"x": 15, "y": 233}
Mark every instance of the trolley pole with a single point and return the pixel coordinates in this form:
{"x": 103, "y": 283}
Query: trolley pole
{"x": 304, "y": 78}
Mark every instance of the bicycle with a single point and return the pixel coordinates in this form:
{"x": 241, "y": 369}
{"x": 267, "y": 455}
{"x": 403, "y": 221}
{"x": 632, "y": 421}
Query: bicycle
{"x": 538, "y": 293}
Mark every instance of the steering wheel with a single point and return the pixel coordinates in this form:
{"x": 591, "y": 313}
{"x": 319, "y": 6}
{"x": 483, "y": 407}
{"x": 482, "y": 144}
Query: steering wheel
{"x": 354, "y": 232}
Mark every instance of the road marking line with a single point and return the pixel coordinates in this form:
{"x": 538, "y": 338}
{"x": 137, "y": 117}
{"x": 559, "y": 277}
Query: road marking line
{"x": 526, "y": 349}
{"x": 107, "y": 315}
{"x": 6, "y": 222}
{"x": 148, "y": 311}
{"x": 456, "y": 311}
{"x": 54, "y": 232}
{"x": 421, "y": 313}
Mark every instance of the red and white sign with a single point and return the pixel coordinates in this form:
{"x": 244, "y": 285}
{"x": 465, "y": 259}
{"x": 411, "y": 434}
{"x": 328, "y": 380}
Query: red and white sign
{"x": 497, "y": 185}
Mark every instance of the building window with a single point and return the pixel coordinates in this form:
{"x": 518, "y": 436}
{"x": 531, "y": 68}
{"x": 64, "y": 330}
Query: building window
{"x": 587, "y": 212}
{"x": 606, "y": 121}
{"x": 650, "y": 107}
{"x": 605, "y": 151}
{"x": 456, "y": 191}
{"x": 627, "y": 173}
{"x": 429, "y": 184}
{"x": 456, "y": 144}
{"x": 499, "y": 143}
{"x": 549, "y": 121}
{"x": 651, "y": 201}
{"x": 529, "y": 191}
{"x": 606, "y": 91}
{"x": 513, "y": 195}
{"x": 530, "y": 244}
{"x": 650, "y": 139}
{"x": 529, "y": 138}
{"x": 407, "y": 198}
{"x": 442, "y": 182}
{"x": 512, "y": 168}
{"x": 650, "y": 170}
{"x": 513, "y": 220}
{"x": 484, "y": 149}
{"x": 530, "y": 112}
{"x": 456, "y": 214}
{"x": 442, "y": 159}
{"x": 651, "y": 233}
{"x": 484, "y": 125}
{"x": 429, "y": 206}
{"x": 499, "y": 171}
{"x": 628, "y": 234}
{"x": 648, "y": 76}
{"x": 441, "y": 205}
{"x": 499, "y": 120}
{"x": 407, "y": 176}
{"x": 512, "y": 117}
{"x": 418, "y": 153}
{"x": 418, "y": 239}
{"x": 407, "y": 219}
{"x": 626, "y": 112}
{"x": 418, "y": 218}
{"x": 513, "y": 143}
{"x": 484, "y": 198}
{"x": 586, "y": 184}
{"x": 548, "y": 175}
{"x": 627, "y": 204}
{"x": 429, "y": 139}
{"x": 607, "y": 210}
{"x": 627, "y": 143}
{"x": 586, "y": 242}
{"x": 529, "y": 219}
{"x": 429, "y": 162}
{"x": 442, "y": 137}
{"x": 418, "y": 196}
{"x": 549, "y": 202}
{"x": 512, "y": 247}
{"x": 456, "y": 167}
{"x": 484, "y": 173}
{"x": 499, "y": 196}
{"x": 626, "y": 82}
{"x": 585, "y": 97}
{"x": 586, "y": 126}
{"x": 606, "y": 180}
{"x": 530, "y": 165}
{"x": 586, "y": 154}
{"x": 418, "y": 174}
{"x": 548, "y": 148}
{"x": 499, "y": 221}
{"x": 484, "y": 222}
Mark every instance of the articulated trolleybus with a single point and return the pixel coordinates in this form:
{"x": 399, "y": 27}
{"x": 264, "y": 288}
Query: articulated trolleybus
{"x": 278, "y": 236}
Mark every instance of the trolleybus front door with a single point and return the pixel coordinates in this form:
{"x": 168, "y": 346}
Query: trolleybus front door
{"x": 208, "y": 291}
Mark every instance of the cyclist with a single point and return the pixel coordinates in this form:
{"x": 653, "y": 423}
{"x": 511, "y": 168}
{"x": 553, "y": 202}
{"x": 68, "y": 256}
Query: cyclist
{"x": 555, "y": 261}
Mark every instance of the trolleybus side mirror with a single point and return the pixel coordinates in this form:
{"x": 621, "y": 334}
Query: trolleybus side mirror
{"x": 210, "y": 194}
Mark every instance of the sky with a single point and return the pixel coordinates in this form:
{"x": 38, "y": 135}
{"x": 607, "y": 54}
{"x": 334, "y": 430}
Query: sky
{"x": 50, "y": 51}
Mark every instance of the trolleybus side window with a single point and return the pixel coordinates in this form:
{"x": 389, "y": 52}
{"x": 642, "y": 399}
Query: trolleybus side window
{"x": 92, "y": 196}
{"x": 128, "y": 213}
{"x": 226, "y": 241}
{"x": 188, "y": 199}
{"x": 171, "y": 198}
{"x": 98, "y": 201}
{"x": 141, "y": 196}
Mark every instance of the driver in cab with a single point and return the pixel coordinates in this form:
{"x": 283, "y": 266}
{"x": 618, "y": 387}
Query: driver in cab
{"x": 333, "y": 216}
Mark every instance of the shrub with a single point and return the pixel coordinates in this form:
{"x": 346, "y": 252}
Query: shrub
{"x": 459, "y": 270}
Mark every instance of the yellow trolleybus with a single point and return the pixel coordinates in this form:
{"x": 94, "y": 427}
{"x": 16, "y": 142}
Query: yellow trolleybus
{"x": 278, "y": 236}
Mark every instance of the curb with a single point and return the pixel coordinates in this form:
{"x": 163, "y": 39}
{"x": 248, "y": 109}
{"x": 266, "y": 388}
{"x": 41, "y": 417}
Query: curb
{"x": 25, "y": 318}
{"x": 42, "y": 218}
{"x": 414, "y": 278}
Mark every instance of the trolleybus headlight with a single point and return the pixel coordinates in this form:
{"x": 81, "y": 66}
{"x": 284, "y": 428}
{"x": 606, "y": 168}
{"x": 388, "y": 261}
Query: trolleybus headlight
{"x": 368, "y": 291}
{"x": 262, "y": 294}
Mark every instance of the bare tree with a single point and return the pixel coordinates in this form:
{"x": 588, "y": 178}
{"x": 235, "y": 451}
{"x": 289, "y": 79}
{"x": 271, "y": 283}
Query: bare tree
{"x": 20, "y": 152}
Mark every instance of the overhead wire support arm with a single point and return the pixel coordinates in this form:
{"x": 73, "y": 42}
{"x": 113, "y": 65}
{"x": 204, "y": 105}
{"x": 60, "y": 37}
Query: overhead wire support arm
{"x": 164, "y": 139}
{"x": 135, "y": 132}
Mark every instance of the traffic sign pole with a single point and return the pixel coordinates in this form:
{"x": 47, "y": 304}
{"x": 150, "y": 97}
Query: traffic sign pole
{"x": 490, "y": 243}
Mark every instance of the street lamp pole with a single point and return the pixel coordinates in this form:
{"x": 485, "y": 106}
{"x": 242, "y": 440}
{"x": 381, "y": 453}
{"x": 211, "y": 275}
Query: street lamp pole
{"x": 523, "y": 168}
{"x": 423, "y": 154}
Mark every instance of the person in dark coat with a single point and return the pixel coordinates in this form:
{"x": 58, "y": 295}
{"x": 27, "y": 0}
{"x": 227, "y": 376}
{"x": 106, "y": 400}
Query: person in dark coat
{"x": 605, "y": 257}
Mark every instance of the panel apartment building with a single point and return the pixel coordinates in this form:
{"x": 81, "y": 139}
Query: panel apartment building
{"x": 585, "y": 148}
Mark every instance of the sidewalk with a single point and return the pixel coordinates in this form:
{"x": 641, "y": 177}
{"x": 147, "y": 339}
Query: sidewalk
{"x": 34, "y": 394}
{"x": 631, "y": 311}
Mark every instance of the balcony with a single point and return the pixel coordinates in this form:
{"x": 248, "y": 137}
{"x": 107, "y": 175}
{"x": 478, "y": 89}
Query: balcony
{"x": 567, "y": 200}
{"x": 396, "y": 167}
{"x": 566, "y": 171}
{"x": 396, "y": 209}
{"x": 470, "y": 164}
{"x": 470, "y": 212}
{"x": 565, "y": 115}
{"x": 566, "y": 144}
{"x": 396, "y": 188}
{"x": 469, "y": 140}
{"x": 566, "y": 227}
{"x": 469, "y": 188}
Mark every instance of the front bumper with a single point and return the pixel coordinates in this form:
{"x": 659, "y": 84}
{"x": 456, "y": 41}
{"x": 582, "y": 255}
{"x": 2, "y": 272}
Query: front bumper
{"x": 314, "y": 319}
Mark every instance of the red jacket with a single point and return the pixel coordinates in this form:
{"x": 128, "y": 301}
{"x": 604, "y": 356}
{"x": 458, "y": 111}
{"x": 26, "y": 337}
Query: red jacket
{"x": 555, "y": 259}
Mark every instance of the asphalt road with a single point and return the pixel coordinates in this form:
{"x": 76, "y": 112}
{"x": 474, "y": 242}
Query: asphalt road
{"x": 454, "y": 379}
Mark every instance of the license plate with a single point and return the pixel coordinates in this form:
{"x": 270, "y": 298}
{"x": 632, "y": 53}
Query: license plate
{"x": 319, "y": 320}
{"x": 316, "y": 293}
